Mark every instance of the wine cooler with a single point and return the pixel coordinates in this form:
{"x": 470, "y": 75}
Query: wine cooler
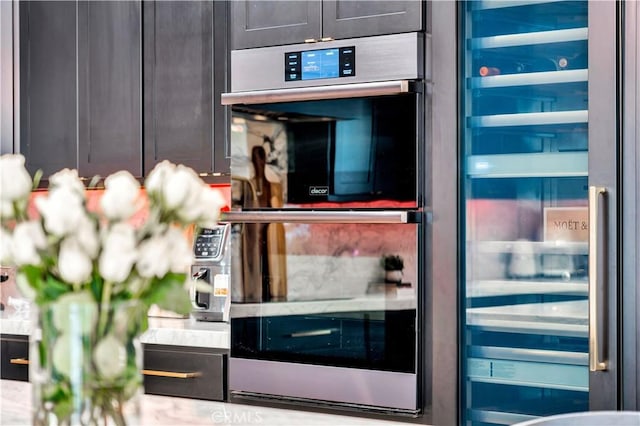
{"x": 531, "y": 211}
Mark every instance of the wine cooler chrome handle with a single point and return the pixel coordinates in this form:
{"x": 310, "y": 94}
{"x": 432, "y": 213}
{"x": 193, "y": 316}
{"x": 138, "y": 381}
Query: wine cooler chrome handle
{"x": 595, "y": 340}
{"x": 319, "y": 217}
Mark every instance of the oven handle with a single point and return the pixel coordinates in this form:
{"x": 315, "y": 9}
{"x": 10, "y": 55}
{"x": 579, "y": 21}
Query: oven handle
{"x": 337, "y": 91}
{"x": 404, "y": 216}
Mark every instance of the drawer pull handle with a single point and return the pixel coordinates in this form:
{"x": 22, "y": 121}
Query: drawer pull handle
{"x": 324, "y": 332}
{"x": 172, "y": 374}
{"x": 19, "y": 361}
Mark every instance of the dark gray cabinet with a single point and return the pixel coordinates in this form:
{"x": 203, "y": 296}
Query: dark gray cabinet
{"x": 48, "y": 90}
{"x": 14, "y": 357}
{"x": 185, "y": 371}
{"x": 80, "y": 86}
{"x": 348, "y": 18}
{"x": 109, "y": 82}
{"x": 184, "y": 74}
{"x": 258, "y": 23}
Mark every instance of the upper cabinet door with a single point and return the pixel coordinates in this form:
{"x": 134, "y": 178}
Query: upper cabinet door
{"x": 109, "y": 82}
{"x": 48, "y": 92}
{"x": 80, "y": 87}
{"x": 270, "y": 23}
{"x": 178, "y": 83}
{"x": 348, "y": 18}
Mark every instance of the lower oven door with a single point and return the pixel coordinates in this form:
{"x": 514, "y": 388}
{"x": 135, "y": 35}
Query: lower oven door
{"x": 316, "y": 318}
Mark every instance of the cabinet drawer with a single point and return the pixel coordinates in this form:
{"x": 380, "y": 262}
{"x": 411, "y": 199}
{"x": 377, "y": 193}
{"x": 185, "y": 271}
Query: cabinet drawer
{"x": 185, "y": 372}
{"x": 14, "y": 359}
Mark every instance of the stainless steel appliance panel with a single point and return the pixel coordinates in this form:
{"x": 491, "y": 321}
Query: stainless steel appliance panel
{"x": 386, "y": 390}
{"x": 392, "y": 57}
{"x": 326, "y": 169}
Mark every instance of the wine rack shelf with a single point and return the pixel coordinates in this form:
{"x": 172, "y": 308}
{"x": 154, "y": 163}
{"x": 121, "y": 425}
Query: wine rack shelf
{"x": 528, "y": 39}
{"x": 551, "y": 164}
{"x": 529, "y": 79}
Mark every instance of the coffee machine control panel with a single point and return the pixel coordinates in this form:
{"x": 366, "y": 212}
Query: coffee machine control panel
{"x": 209, "y": 243}
{"x": 210, "y": 273}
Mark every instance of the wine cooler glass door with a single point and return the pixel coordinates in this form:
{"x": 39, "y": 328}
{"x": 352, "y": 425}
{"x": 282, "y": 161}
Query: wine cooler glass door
{"x": 538, "y": 196}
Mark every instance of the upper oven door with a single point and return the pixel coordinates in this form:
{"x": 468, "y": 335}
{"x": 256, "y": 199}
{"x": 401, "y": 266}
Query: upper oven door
{"x": 356, "y": 153}
{"x": 333, "y": 126}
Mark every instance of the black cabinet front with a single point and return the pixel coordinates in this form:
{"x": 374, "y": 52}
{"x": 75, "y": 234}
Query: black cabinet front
{"x": 14, "y": 357}
{"x": 187, "y": 372}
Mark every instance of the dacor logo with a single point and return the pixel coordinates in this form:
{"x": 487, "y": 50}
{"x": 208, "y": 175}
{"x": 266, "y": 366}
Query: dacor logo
{"x": 318, "y": 190}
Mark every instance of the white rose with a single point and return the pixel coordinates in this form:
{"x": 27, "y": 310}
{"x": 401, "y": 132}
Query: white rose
{"x": 86, "y": 233}
{"x": 61, "y": 209}
{"x": 5, "y": 247}
{"x": 119, "y": 199}
{"x": 210, "y": 203}
{"x": 154, "y": 257}
{"x": 154, "y": 182}
{"x": 190, "y": 209}
{"x": 24, "y": 287}
{"x": 28, "y": 238}
{"x": 118, "y": 253}
{"x": 181, "y": 253}
{"x": 6, "y": 209}
{"x": 74, "y": 264}
{"x": 66, "y": 353}
{"x": 15, "y": 181}
{"x": 69, "y": 179}
{"x": 181, "y": 189}
{"x": 110, "y": 357}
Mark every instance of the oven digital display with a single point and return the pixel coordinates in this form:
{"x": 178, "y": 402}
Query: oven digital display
{"x": 318, "y": 64}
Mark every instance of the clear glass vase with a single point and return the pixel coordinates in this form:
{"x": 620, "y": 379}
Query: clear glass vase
{"x": 86, "y": 362}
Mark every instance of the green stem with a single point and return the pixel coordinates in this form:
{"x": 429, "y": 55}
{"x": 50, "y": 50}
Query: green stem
{"x": 104, "y": 308}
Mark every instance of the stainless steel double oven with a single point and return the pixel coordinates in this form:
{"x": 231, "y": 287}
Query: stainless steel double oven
{"x": 327, "y": 181}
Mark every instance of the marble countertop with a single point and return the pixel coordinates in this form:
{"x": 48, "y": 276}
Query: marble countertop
{"x": 162, "y": 331}
{"x": 189, "y": 332}
{"x": 15, "y": 409}
{"x": 374, "y": 302}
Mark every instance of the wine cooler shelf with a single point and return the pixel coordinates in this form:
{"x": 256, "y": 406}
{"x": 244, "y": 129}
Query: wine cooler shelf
{"x": 530, "y": 38}
{"x": 548, "y": 375}
{"x": 503, "y": 4}
{"x": 538, "y": 164}
{"x": 534, "y": 247}
{"x": 521, "y": 287}
{"x": 529, "y": 79}
{"x": 566, "y": 318}
{"x": 530, "y": 119}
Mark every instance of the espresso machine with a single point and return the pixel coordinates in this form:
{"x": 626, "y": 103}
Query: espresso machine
{"x": 212, "y": 267}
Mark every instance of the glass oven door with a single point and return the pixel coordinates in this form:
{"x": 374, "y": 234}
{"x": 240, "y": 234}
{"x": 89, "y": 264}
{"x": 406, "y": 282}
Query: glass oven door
{"x": 326, "y": 153}
{"x": 319, "y": 301}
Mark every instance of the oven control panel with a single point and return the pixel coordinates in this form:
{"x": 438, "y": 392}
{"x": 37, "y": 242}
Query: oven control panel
{"x": 209, "y": 242}
{"x": 322, "y": 63}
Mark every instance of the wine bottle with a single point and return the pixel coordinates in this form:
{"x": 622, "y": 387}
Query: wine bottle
{"x": 505, "y": 68}
{"x": 485, "y": 71}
